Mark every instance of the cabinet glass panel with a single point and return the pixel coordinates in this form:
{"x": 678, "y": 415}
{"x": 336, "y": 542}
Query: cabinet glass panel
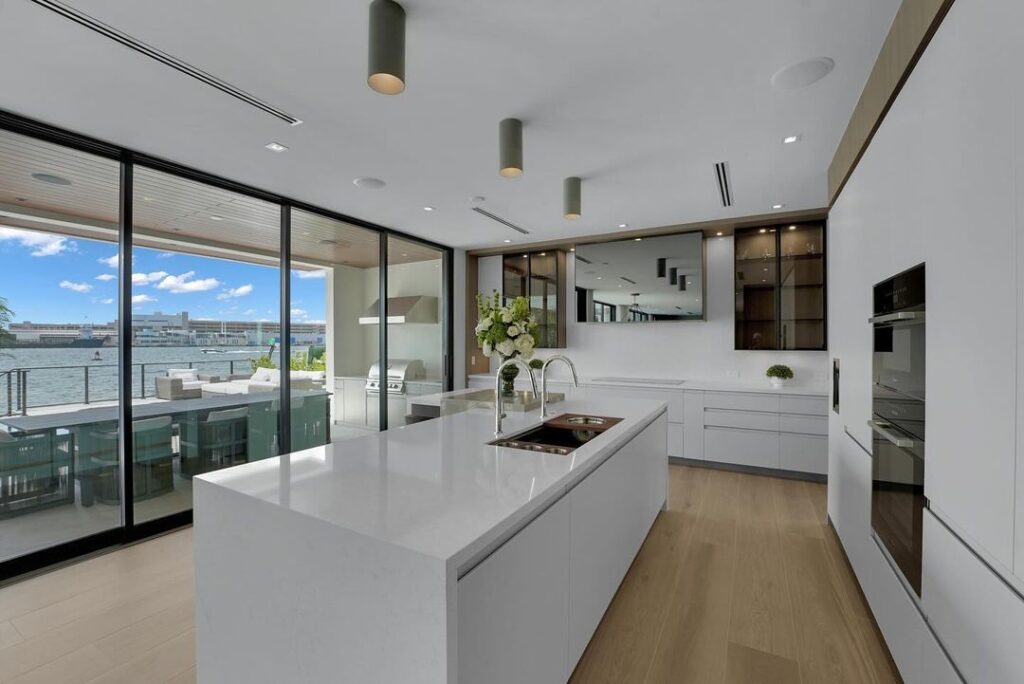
{"x": 58, "y": 345}
{"x": 544, "y": 297}
{"x": 335, "y": 293}
{"x": 206, "y": 312}
{"x": 756, "y": 289}
{"x": 515, "y": 275}
{"x": 415, "y": 329}
{"x": 802, "y": 287}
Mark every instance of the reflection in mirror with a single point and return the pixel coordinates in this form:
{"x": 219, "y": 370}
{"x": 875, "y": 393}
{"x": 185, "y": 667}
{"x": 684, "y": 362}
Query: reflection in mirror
{"x": 641, "y": 279}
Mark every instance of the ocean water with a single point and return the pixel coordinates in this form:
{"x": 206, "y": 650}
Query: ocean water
{"x": 58, "y": 376}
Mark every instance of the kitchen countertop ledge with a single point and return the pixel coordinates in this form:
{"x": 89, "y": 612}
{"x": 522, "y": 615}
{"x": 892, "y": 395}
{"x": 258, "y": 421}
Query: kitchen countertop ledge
{"x": 685, "y": 384}
{"x": 436, "y": 487}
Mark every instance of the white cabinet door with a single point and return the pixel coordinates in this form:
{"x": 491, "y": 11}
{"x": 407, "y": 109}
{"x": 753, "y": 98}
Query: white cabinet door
{"x": 676, "y": 440}
{"x": 742, "y": 447}
{"x": 803, "y": 453}
{"x": 513, "y": 608}
{"x": 355, "y": 402}
{"x": 338, "y": 400}
{"x": 693, "y": 420}
{"x": 611, "y": 512}
{"x": 674, "y": 397}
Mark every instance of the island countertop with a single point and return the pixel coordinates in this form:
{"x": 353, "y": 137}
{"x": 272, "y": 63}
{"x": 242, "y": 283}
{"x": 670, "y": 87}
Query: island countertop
{"x": 436, "y": 487}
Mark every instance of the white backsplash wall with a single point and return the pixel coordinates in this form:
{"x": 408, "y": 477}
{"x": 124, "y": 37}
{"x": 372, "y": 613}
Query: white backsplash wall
{"x": 684, "y": 349}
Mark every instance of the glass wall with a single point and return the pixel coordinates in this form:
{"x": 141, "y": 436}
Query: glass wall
{"x": 335, "y": 287}
{"x": 202, "y": 336}
{"x": 415, "y": 330}
{"x": 59, "y": 465}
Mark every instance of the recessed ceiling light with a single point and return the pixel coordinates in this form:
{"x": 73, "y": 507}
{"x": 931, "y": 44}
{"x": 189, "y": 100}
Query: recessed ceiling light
{"x": 404, "y": 254}
{"x": 147, "y": 199}
{"x": 572, "y": 249}
{"x": 719, "y": 233}
{"x": 778, "y": 206}
{"x": 792, "y": 227}
{"x": 623, "y": 225}
{"x": 507, "y": 241}
{"x": 637, "y": 239}
{"x": 428, "y": 208}
{"x": 50, "y": 178}
{"x": 599, "y": 277}
{"x": 369, "y": 183}
{"x": 525, "y": 255}
{"x": 763, "y": 230}
{"x": 275, "y": 147}
{"x": 543, "y": 254}
{"x": 214, "y": 217}
{"x": 790, "y": 139}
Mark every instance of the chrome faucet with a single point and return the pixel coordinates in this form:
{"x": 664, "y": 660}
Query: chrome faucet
{"x": 499, "y": 403}
{"x": 544, "y": 381}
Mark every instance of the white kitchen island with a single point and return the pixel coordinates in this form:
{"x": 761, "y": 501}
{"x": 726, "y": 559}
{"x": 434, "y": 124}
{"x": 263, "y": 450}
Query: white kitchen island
{"x": 422, "y": 554}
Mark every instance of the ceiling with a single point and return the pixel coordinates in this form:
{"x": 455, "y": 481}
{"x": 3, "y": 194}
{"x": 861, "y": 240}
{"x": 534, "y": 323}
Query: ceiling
{"x": 637, "y": 260}
{"x": 638, "y": 98}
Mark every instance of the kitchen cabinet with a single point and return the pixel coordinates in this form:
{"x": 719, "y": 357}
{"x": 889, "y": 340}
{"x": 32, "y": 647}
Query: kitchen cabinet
{"x": 514, "y": 607}
{"x": 355, "y": 401}
{"x": 755, "y": 448}
{"x": 541, "y": 278}
{"x": 780, "y": 287}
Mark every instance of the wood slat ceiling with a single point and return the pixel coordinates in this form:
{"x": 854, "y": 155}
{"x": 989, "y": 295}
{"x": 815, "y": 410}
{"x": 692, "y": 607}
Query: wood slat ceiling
{"x": 172, "y": 212}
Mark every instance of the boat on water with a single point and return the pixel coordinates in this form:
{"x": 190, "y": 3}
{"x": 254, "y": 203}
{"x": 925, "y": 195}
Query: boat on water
{"x": 213, "y": 351}
{"x": 97, "y": 357}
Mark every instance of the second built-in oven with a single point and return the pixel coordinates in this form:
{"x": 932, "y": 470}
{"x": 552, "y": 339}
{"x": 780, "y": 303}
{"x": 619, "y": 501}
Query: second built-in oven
{"x": 898, "y": 420}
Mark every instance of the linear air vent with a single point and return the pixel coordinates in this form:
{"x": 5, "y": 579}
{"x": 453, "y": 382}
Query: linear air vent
{"x": 128, "y": 41}
{"x": 583, "y": 259}
{"x": 724, "y": 184}
{"x": 495, "y": 217}
{"x": 631, "y": 282}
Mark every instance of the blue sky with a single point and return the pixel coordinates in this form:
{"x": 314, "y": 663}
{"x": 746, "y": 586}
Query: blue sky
{"x": 48, "y": 278}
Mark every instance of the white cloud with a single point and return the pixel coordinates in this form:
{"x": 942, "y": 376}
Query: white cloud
{"x": 183, "y": 283}
{"x": 75, "y": 287}
{"x": 240, "y": 291}
{"x": 299, "y": 313}
{"x": 111, "y": 261}
{"x": 147, "y": 278}
{"x": 314, "y": 321}
{"x": 305, "y": 275}
{"x": 249, "y": 312}
{"x": 108, "y": 300}
{"x": 106, "y": 277}
{"x": 165, "y": 255}
{"x": 41, "y": 244}
{"x": 142, "y": 299}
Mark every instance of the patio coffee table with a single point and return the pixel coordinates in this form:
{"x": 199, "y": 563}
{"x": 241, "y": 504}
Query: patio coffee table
{"x": 223, "y": 388}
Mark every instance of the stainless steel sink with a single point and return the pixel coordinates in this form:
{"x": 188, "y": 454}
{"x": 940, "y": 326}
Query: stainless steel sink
{"x": 528, "y": 446}
{"x": 560, "y": 435}
{"x": 586, "y": 420}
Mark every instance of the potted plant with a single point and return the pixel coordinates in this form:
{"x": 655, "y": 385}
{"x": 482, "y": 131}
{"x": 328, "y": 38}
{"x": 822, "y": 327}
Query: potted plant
{"x": 779, "y": 374}
{"x": 505, "y": 331}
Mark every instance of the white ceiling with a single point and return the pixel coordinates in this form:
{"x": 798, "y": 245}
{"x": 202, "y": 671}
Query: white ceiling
{"x": 639, "y": 98}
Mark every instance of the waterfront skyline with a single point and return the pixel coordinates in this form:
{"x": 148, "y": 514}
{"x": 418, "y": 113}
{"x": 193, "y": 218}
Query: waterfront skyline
{"x": 51, "y": 278}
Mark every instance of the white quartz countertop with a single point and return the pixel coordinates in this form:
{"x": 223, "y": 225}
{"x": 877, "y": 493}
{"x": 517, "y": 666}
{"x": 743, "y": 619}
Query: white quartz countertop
{"x": 434, "y": 487}
{"x": 669, "y": 384}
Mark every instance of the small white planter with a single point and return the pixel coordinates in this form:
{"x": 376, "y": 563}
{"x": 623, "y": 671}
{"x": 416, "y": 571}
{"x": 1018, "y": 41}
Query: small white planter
{"x": 778, "y": 382}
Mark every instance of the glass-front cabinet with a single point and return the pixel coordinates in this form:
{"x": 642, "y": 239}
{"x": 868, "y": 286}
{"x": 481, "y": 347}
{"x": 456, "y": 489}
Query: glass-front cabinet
{"x": 780, "y": 287}
{"x": 539, "y": 276}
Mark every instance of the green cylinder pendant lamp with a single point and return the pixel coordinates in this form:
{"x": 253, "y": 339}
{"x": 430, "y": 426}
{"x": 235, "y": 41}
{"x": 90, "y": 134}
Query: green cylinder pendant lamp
{"x": 572, "y": 197}
{"x": 510, "y": 148}
{"x": 386, "y": 68}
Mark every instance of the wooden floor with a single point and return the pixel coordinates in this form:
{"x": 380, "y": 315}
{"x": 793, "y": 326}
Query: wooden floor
{"x": 739, "y": 581}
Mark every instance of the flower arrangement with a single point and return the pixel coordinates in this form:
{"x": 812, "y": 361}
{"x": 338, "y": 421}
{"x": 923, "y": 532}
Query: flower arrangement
{"x": 505, "y": 331}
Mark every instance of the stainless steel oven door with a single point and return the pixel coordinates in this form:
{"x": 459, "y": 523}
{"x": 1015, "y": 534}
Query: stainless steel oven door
{"x": 899, "y": 358}
{"x": 897, "y": 496}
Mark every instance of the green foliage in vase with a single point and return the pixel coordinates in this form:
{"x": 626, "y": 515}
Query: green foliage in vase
{"x": 508, "y": 331}
{"x": 780, "y": 371}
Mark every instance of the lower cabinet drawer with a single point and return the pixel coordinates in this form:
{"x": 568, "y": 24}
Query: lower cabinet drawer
{"x": 803, "y": 453}
{"x": 805, "y": 425}
{"x": 750, "y": 420}
{"x": 743, "y": 447}
{"x": 675, "y": 440}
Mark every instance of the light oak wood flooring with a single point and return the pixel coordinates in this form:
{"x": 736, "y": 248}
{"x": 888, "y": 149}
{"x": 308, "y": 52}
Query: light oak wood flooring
{"x": 740, "y": 580}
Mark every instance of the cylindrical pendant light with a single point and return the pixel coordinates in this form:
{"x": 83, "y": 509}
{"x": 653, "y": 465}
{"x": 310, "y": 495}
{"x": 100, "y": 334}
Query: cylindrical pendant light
{"x": 673, "y": 274}
{"x": 510, "y": 148}
{"x": 572, "y": 192}
{"x": 682, "y": 283}
{"x": 386, "y": 69}
{"x": 660, "y": 266}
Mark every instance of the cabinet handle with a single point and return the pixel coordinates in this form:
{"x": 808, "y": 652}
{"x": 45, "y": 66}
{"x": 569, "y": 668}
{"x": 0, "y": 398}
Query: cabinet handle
{"x": 901, "y": 442}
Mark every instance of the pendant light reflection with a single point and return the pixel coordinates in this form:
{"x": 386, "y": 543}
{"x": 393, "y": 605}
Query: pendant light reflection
{"x": 572, "y": 202}
{"x": 510, "y": 148}
{"x": 386, "y": 67}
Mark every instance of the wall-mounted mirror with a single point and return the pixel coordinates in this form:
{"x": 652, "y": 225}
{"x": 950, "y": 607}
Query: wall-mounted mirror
{"x": 635, "y": 280}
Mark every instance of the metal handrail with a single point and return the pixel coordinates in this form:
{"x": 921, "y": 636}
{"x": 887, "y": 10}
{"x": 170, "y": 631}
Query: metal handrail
{"x": 16, "y": 386}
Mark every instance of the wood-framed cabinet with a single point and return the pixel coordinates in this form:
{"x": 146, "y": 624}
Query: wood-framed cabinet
{"x": 780, "y": 278}
{"x": 540, "y": 277}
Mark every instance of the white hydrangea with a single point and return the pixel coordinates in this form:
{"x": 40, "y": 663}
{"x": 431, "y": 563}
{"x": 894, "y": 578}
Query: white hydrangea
{"x": 512, "y": 331}
{"x": 483, "y": 325}
{"x": 506, "y": 348}
{"x": 488, "y": 350}
{"x": 506, "y": 316}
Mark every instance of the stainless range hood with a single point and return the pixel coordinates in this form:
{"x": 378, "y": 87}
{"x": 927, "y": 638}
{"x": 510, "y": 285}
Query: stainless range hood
{"x": 416, "y": 309}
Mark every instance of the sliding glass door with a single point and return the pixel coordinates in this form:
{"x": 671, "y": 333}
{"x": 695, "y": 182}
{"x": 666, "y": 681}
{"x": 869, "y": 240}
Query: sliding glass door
{"x": 157, "y": 324}
{"x": 58, "y": 345}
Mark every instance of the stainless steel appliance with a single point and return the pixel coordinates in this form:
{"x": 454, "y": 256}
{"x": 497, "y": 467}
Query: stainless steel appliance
{"x": 898, "y": 420}
{"x": 398, "y": 372}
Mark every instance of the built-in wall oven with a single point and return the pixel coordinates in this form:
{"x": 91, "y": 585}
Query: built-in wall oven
{"x": 898, "y": 420}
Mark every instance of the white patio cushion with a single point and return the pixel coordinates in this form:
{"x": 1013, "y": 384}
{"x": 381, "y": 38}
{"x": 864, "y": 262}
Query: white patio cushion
{"x": 185, "y": 374}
